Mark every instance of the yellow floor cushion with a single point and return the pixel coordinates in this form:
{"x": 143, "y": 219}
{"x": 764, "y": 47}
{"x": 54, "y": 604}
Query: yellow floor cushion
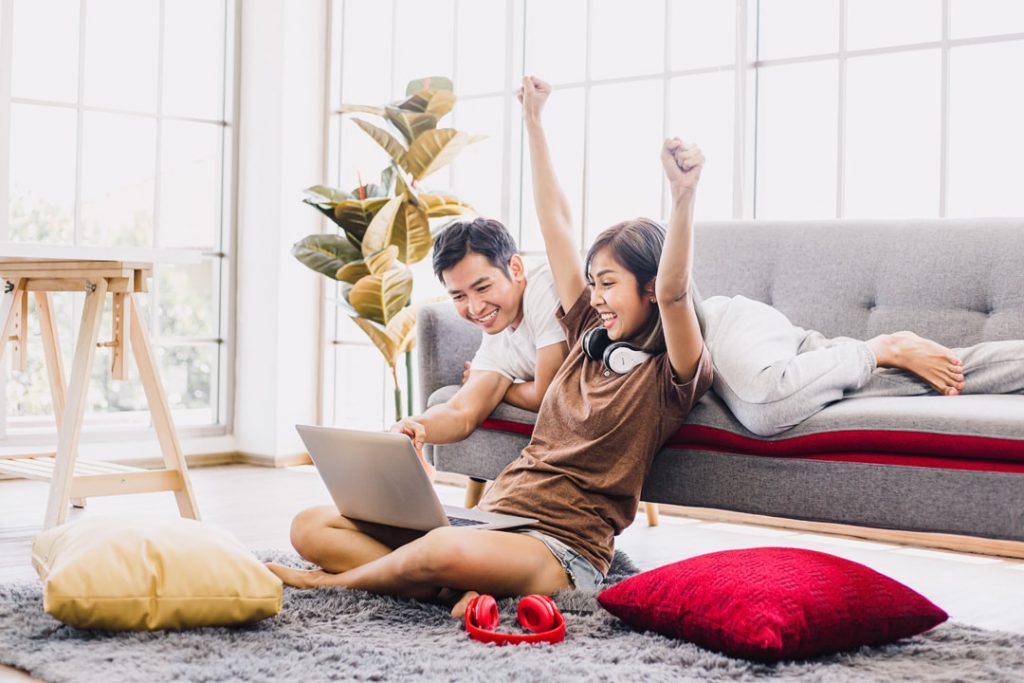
{"x": 151, "y": 573}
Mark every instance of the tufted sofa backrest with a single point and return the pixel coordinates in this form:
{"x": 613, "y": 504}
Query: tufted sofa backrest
{"x": 956, "y": 281}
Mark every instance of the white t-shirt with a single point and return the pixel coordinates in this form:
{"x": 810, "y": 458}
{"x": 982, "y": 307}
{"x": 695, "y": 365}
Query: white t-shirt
{"x": 513, "y": 353}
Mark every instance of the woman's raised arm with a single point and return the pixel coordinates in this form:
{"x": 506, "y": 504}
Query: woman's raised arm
{"x": 552, "y": 205}
{"x": 683, "y": 164}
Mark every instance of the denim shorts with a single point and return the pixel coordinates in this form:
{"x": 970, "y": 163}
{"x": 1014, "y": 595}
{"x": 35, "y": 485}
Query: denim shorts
{"x": 581, "y": 573}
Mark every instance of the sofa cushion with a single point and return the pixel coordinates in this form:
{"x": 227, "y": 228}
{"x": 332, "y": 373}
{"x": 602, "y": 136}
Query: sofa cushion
{"x": 769, "y": 604}
{"x": 974, "y": 432}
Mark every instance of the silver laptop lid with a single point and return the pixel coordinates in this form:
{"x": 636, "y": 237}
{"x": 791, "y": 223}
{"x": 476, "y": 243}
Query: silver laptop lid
{"x": 374, "y": 476}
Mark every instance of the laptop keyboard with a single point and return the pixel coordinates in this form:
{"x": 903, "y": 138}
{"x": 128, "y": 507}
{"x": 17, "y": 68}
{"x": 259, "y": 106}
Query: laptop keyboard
{"x": 462, "y": 521}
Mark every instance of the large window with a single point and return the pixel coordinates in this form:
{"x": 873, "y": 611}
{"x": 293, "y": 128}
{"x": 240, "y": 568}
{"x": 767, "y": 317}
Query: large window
{"x": 806, "y": 109}
{"x": 116, "y": 121}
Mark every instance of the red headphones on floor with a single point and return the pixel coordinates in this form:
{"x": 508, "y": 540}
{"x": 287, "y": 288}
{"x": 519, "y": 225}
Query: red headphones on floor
{"x": 537, "y": 613}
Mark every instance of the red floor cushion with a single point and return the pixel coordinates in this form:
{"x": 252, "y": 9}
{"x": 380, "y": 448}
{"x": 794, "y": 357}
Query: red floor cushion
{"x": 769, "y": 604}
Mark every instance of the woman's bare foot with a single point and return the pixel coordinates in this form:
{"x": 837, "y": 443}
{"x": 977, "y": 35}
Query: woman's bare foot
{"x": 459, "y": 609}
{"x": 929, "y": 360}
{"x": 304, "y": 578}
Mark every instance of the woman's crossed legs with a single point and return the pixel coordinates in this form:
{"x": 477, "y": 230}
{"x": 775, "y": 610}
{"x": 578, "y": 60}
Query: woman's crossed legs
{"x": 445, "y": 562}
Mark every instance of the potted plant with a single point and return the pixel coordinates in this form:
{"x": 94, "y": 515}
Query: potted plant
{"x": 386, "y": 226}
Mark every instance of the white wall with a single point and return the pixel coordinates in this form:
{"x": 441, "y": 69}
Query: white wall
{"x": 281, "y": 151}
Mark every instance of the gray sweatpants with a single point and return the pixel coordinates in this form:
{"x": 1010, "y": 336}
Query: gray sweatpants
{"x": 774, "y": 375}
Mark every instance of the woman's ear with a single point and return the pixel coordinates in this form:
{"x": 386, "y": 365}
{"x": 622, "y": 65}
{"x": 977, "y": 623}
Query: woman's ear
{"x": 648, "y": 291}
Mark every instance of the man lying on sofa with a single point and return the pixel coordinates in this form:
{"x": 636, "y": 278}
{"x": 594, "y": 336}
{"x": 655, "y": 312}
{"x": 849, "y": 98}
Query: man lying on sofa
{"x": 523, "y": 344}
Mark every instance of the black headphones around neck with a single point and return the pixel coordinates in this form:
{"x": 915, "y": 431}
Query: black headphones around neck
{"x": 619, "y": 357}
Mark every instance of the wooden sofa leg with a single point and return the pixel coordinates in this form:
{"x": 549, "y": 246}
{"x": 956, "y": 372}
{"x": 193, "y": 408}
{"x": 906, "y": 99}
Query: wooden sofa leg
{"x": 474, "y": 491}
{"x": 652, "y": 513}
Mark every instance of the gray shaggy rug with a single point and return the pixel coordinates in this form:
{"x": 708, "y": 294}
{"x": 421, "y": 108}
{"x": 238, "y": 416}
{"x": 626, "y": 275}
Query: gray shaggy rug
{"x": 338, "y": 635}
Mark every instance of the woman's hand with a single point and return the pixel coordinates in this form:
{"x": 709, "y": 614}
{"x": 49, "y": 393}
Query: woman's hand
{"x": 683, "y": 163}
{"x": 532, "y": 95}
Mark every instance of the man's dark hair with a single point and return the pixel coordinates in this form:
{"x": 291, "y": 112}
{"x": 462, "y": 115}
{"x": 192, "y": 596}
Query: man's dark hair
{"x": 484, "y": 236}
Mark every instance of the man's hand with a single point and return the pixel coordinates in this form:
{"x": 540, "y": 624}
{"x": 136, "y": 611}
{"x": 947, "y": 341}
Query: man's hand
{"x": 412, "y": 429}
{"x": 418, "y": 434}
{"x": 533, "y": 94}
{"x": 467, "y": 367}
{"x": 683, "y": 163}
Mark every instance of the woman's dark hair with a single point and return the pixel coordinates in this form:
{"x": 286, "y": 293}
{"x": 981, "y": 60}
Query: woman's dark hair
{"x": 637, "y": 246}
{"x": 484, "y": 236}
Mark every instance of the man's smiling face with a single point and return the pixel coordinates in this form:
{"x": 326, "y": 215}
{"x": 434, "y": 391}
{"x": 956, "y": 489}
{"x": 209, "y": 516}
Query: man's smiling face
{"x": 484, "y": 295}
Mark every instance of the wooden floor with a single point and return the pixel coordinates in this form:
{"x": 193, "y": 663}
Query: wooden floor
{"x": 256, "y": 504}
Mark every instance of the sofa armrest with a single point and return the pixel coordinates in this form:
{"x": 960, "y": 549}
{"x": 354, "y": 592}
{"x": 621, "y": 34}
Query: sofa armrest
{"x": 444, "y": 341}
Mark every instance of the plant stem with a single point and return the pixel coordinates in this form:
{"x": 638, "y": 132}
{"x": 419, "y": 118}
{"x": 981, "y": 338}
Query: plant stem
{"x": 408, "y": 379}
{"x": 398, "y": 393}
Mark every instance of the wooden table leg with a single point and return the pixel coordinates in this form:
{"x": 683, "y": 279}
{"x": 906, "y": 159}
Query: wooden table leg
{"x": 54, "y": 362}
{"x": 71, "y": 424}
{"x": 158, "y": 408}
{"x": 10, "y": 310}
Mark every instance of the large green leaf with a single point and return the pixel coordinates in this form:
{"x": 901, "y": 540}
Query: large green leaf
{"x": 323, "y": 198}
{"x": 353, "y": 272}
{"x": 411, "y": 233}
{"x": 431, "y": 82}
{"x": 402, "y": 329}
{"x": 380, "y": 338}
{"x": 386, "y": 140}
{"x": 326, "y": 254}
{"x": 434, "y": 149}
{"x": 342, "y": 301}
{"x": 374, "y": 263}
{"x": 410, "y": 124}
{"x": 428, "y": 101}
{"x": 355, "y": 215}
{"x": 382, "y": 260}
{"x": 381, "y": 297}
{"x": 361, "y": 109}
{"x": 382, "y": 188}
{"x": 439, "y": 204}
{"x": 378, "y": 233}
{"x": 323, "y": 194}
{"x": 398, "y": 337}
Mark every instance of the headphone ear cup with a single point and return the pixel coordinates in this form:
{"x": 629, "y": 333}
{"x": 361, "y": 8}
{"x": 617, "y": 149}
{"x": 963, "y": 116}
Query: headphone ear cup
{"x": 537, "y": 613}
{"x": 482, "y": 612}
{"x": 621, "y": 357}
{"x": 594, "y": 342}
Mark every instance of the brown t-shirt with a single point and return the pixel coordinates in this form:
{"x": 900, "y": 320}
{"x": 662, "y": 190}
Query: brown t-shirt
{"x": 596, "y": 435}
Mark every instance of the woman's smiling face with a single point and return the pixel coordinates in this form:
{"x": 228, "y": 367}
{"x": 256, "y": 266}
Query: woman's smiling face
{"x": 625, "y": 308}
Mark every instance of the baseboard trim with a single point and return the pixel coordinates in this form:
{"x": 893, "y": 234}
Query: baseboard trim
{"x": 954, "y": 542}
{"x": 264, "y": 460}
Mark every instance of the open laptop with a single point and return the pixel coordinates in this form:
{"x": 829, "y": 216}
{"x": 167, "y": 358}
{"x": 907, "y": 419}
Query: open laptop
{"x": 378, "y": 477}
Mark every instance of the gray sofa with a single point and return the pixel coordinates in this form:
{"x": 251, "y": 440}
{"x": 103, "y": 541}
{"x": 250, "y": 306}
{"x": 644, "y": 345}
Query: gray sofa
{"x": 929, "y": 464}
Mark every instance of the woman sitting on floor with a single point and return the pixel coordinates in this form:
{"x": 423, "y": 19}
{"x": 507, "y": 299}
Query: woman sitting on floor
{"x": 597, "y": 430}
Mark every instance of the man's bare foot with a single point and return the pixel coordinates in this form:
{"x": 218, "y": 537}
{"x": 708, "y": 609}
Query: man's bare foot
{"x": 929, "y": 360}
{"x": 304, "y": 578}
